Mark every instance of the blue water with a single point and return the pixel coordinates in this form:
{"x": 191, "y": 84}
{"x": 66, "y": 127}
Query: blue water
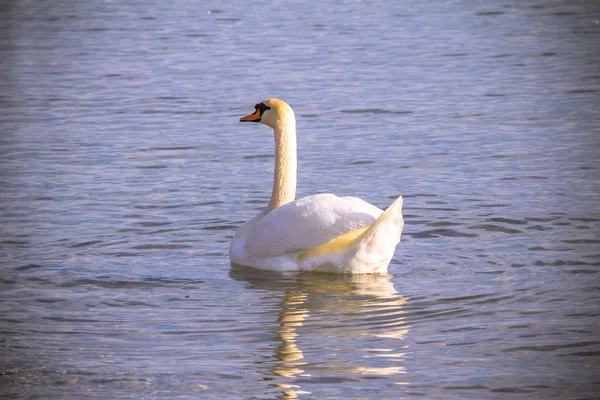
{"x": 124, "y": 174}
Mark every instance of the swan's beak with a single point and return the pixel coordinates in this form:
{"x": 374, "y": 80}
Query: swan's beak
{"x": 254, "y": 117}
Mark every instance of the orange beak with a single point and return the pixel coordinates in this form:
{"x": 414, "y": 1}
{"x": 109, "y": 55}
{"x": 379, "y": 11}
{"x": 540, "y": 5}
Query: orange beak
{"x": 254, "y": 117}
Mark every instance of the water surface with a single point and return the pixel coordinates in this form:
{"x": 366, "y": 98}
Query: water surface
{"x": 124, "y": 175}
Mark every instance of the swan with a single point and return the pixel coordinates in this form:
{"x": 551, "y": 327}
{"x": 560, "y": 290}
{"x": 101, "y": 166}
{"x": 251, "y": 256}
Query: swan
{"x": 322, "y": 232}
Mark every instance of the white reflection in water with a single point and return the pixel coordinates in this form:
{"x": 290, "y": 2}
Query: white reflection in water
{"x": 330, "y": 327}
{"x": 291, "y": 317}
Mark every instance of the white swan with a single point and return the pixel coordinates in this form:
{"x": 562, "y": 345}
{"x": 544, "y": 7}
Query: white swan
{"x": 322, "y": 232}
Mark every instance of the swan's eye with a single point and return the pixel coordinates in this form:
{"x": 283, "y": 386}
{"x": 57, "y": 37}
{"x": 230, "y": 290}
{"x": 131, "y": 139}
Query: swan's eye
{"x": 261, "y": 108}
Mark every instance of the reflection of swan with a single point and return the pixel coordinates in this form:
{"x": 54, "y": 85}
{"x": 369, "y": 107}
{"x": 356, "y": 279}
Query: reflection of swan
{"x": 324, "y": 320}
{"x": 322, "y": 232}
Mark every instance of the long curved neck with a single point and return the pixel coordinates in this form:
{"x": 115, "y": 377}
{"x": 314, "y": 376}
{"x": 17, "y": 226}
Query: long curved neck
{"x": 284, "y": 177}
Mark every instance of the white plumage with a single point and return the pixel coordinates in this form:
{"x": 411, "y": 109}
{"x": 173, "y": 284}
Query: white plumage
{"x": 321, "y": 232}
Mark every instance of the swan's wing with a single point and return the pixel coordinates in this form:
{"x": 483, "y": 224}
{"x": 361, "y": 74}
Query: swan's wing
{"x": 307, "y": 223}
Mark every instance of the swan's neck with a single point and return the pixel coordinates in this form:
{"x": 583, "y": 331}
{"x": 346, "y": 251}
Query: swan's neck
{"x": 284, "y": 177}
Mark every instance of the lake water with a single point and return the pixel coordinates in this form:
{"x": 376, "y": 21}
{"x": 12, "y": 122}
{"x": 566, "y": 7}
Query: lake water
{"x": 125, "y": 173}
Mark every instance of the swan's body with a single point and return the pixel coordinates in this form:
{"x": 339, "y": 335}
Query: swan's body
{"x": 322, "y": 232}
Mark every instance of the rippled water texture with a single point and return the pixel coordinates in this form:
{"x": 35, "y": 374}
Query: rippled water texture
{"x": 124, "y": 174}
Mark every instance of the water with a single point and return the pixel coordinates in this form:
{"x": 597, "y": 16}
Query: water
{"x": 124, "y": 174}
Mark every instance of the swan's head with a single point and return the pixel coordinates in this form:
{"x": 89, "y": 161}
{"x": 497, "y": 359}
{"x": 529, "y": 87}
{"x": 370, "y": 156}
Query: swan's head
{"x": 271, "y": 112}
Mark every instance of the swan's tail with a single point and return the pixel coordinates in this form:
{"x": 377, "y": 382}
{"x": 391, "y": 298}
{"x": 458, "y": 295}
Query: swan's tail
{"x": 374, "y": 249}
{"x": 366, "y": 250}
{"x": 386, "y": 229}
{"x": 391, "y": 221}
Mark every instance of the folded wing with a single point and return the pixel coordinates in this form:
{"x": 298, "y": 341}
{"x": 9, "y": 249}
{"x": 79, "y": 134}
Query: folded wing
{"x": 307, "y": 223}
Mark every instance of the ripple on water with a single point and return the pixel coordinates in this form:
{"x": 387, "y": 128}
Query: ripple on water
{"x": 125, "y": 174}
{"x": 375, "y": 111}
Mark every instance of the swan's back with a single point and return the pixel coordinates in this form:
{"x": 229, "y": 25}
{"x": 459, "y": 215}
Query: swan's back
{"x": 299, "y": 226}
